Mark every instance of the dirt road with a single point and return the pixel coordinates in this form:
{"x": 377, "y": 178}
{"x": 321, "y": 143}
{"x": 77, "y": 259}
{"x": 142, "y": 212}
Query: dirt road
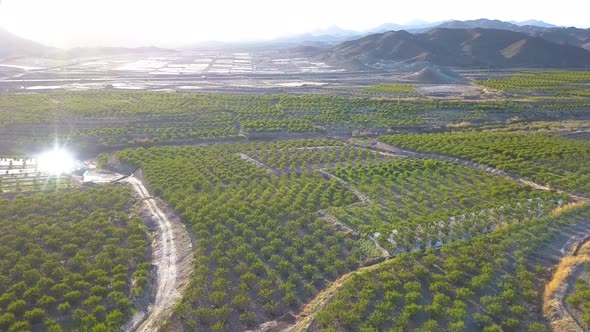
{"x": 172, "y": 256}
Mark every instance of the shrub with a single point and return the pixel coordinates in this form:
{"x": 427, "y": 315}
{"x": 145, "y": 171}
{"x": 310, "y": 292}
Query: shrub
{"x": 35, "y": 316}
{"x": 17, "y": 307}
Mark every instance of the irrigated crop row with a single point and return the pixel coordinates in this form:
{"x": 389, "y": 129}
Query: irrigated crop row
{"x": 560, "y": 82}
{"x": 71, "y": 260}
{"x": 420, "y": 201}
{"x": 261, "y": 250}
{"x": 553, "y": 160}
{"x": 488, "y": 283}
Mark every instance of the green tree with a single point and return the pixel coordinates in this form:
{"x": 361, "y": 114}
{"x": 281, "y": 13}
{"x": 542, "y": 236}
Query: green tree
{"x": 6, "y": 320}
{"x": 35, "y": 316}
{"x": 17, "y": 307}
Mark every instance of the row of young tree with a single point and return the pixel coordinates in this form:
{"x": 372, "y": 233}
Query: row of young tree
{"x": 309, "y": 159}
{"x": 487, "y": 283}
{"x": 552, "y": 160}
{"x": 123, "y": 117}
{"x": 559, "y": 81}
{"x": 70, "y": 260}
{"x": 419, "y": 202}
{"x": 261, "y": 250}
{"x": 580, "y": 298}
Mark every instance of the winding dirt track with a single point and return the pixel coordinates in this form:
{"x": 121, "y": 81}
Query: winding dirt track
{"x": 172, "y": 255}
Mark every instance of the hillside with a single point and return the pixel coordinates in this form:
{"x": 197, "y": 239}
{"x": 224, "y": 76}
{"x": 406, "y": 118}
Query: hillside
{"x": 571, "y": 36}
{"x": 481, "y": 23}
{"x": 462, "y": 48}
{"x": 559, "y": 35}
{"x": 13, "y": 46}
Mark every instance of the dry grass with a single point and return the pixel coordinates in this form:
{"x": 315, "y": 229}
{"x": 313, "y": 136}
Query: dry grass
{"x": 565, "y": 325}
{"x": 555, "y": 289}
{"x": 561, "y": 209}
{"x": 464, "y": 124}
{"x": 563, "y": 271}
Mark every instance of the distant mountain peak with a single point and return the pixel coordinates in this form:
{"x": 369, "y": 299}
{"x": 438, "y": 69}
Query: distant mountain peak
{"x": 460, "y": 47}
{"x": 536, "y": 23}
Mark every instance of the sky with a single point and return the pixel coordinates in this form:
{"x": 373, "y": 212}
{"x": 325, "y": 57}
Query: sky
{"x": 71, "y": 23}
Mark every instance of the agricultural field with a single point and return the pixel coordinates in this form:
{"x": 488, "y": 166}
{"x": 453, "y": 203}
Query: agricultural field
{"x": 315, "y": 158}
{"x": 19, "y": 174}
{"x": 71, "y": 261}
{"x": 301, "y": 213}
{"x": 280, "y": 253}
{"x": 393, "y": 89}
{"x": 462, "y": 202}
{"x": 490, "y": 282}
{"x": 117, "y": 119}
{"x": 579, "y": 299}
{"x": 566, "y": 83}
{"x": 556, "y": 161}
{"x": 367, "y": 206}
{"x": 566, "y": 127}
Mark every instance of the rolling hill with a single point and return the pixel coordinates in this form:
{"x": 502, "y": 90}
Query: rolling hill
{"x": 15, "y": 46}
{"x": 559, "y": 35}
{"x": 481, "y": 23}
{"x": 571, "y": 36}
{"x": 462, "y": 48}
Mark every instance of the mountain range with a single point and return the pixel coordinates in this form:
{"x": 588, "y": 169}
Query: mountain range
{"x": 560, "y": 35}
{"x": 12, "y": 46}
{"x": 462, "y": 47}
{"x": 474, "y": 43}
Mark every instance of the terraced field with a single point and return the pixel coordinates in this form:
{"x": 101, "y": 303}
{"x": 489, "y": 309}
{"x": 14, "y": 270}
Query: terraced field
{"x": 302, "y": 215}
{"x": 491, "y": 282}
{"x": 461, "y": 202}
{"x": 553, "y": 160}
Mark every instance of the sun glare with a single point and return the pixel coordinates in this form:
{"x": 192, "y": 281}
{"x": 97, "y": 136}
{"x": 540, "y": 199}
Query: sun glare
{"x": 56, "y": 162}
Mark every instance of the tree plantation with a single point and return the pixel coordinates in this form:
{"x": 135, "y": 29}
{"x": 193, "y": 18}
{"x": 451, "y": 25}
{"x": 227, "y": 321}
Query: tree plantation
{"x": 70, "y": 261}
{"x": 266, "y": 219}
{"x": 490, "y": 283}
{"x": 124, "y": 118}
{"x": 381, "y": 204}
{"x": 547, "y": 159}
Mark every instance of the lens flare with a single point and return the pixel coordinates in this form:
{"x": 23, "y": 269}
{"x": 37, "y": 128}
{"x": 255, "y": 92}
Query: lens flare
{"x": 56, "y": 162}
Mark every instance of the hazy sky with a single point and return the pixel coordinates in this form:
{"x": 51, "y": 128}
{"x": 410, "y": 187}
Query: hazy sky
{"x": 67, "y": 23}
